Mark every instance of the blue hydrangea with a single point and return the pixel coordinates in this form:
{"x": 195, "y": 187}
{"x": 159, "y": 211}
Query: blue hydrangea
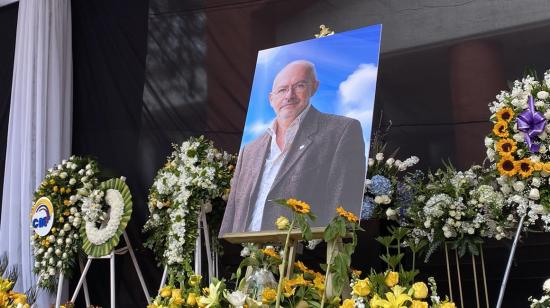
{"x": 403, "y": 195}
{"x": 380, "y": 185}
{"x": 367, "y": 210}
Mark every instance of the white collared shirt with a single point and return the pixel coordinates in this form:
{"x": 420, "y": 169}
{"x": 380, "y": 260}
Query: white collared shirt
{"x": 272, "y": 164}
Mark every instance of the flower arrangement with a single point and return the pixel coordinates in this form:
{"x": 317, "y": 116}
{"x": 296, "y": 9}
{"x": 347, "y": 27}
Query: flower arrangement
{"x": 8, "y": 297}
{"x": 196, "y": 176}
{"x": 460, "y": 207}
{"x": 106, "y": 211}
{"x": 518, "y": 147}
{"x": 64, "y": 186}
{"x": 395, "y": 287}
{"x": 544, "y": 301}
{"x": 388, "y": 189}
{"x": 305, "y": 287}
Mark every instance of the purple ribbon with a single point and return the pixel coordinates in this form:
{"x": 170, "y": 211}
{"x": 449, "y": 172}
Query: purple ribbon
{"x": 531, "y": 123}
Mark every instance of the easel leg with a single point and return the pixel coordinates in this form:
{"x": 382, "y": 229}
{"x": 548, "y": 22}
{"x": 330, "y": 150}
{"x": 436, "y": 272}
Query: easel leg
{"x": 86, "y": 293}
{"x": 291, "y": 257}
{"x": 81, "y": 280}
{"x": 136, "y": 266}
{"x": 112, "y": 267}
{"x": 59, "y": 289}
{"x": 163, "y": 279}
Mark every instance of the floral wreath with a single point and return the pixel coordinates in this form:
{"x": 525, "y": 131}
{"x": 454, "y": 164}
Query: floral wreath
{"x": 106, "y": 212}
{"x": 196, "y": 176}
{"x": 63, "y": 185}
{"x": 518, "y": 147}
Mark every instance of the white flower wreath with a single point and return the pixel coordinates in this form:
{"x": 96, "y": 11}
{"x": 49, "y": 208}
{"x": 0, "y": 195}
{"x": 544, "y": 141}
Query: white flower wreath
{"x": 108, "y": 228}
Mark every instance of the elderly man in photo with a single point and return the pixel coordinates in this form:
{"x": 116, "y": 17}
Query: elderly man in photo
{"x": 307, "y": 155}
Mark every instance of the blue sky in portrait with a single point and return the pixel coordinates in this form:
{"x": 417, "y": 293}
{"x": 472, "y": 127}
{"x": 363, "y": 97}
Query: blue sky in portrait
{"x": 347, "y": 67}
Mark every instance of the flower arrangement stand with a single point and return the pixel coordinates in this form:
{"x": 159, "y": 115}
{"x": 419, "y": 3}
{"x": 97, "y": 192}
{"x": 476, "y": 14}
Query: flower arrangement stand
{"x": 509, "y": 264}
{"x": 458, "y": 276}
{"x": 111, "y": 257}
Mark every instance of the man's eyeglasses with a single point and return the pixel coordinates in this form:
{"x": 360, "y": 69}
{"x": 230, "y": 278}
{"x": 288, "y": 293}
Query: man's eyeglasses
{"x": 298, "y": 88}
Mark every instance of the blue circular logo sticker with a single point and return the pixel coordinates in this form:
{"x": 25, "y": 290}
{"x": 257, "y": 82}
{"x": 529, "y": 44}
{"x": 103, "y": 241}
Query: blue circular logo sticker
{"x": 42, "y": 216}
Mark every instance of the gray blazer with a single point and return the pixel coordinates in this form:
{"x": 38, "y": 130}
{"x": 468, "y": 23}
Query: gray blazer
{"x": 325, "y": 167}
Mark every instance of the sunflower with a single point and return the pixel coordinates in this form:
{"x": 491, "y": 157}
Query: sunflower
{"x": 506, "y": 166}
{"x": 271, "y": 252}
{"x": 298, "y": 206}
{"x": 347, "y": 215}
{"x": 501, "y": 129}
{"x": 505, "y": 114}
{"x": 506, "y": 146}
{"x": 538, "y": 166}
{"x": 524, "y": 167}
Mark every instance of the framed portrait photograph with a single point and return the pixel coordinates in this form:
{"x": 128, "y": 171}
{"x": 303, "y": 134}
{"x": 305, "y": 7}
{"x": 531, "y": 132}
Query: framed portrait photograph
{"x": 307, "y": 130}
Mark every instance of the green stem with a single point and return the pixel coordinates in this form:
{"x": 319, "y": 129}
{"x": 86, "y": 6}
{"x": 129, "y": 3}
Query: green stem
{"x": 329, "y": 263}
{"x": 399, "y": 252}
{"x": 282, "y": 271}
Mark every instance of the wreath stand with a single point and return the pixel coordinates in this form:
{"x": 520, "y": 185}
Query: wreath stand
{"x": 211, "y": 255}
{"x": 111, "y": 257}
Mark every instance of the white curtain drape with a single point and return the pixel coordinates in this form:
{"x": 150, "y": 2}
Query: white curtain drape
{"x": 40, "y": 121}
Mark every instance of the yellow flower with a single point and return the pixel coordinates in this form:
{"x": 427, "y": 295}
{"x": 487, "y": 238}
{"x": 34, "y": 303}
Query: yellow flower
{"x": 392, "y": 278}
{"x": 19, "y": 298}
{"x": 5, "y": 285}
{"x": 55, "y": 189}
{"x": 505, "y": 114}
{"x": 506, "y": 146}
{"x": 348, "y": 303}
{"x": 298, "y": 206}
{"x": 507, "y": 166}
{"x": 268, "y": 296}
{"x": 166, "y": 292}
{"x": 301, "y": 266}
{"x": 546, "y": 167}
{"x": 347, "y": 215}
{"x": 68, "y": 190}
{"x": 501, "y": 129}
{"x": 62, "y": 190}
{"x": 419, "y": 304}
{"x": 524, "y": 167}
{"x": 192, "y": 299}
{"x": 195, "y": 280}
{"x": 282, "y": 223}
{"x": 395, "y": 299}
{"x": 356, "y": 273}
{"x": 270, "y": 252}
{"x": 302, "y": 304}
{"x": 319, "y": 282}
{"x": 448, "y": 305}
{"x": 538, "y": 166}
{"x": 420, "y": 290}
{"x": 288, "y": 288}
{"x": 52, "y": 181}
{"x": 361, "y": 287}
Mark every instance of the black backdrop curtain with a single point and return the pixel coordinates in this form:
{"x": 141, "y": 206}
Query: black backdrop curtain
{"x": 8, "y": 27}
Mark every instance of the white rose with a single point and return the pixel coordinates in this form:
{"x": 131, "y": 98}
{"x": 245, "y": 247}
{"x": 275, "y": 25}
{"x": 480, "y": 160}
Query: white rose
{"x": 371, "y": 162}
{"x": 51, "y": 271}
{"x": 471, "y": 230}
{"x": 236, "y": 299}
{"x": 447, "y": 234}
{"x": 491, "y": 154}
{"x": 378, "y": 199}
{"x": 535, "y": 158}
{"x": 498, "y": 237}
{"x": 390, "y": 161}
{"x": 518, "y": 186}
{"x": 72, "y": 181}
{"x": 542, "y": 95}
{"x": 546, "y": 286}
{"x": 488, "y": 142}
{"x": 505, "y": 189}
{"x": 386, "y": 199}
{"x": 380, "y": 156}
{"x": 518, "y": 137}
{"x": 245, "y": 252}
{"x": 539, "y": 103}
{"x": 535, "y": 182}
{"x": 63, "y": 175}
{"x": 390, "y": 213}
{"x": 534, "y": 194}
{"x": 427, "y": 223}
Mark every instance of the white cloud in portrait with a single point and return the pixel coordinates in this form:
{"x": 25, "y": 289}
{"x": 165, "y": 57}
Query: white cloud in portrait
{"x": 257, "y": 128}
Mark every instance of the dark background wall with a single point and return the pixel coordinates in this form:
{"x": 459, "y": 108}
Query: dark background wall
{"x": 8, "y": 27}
